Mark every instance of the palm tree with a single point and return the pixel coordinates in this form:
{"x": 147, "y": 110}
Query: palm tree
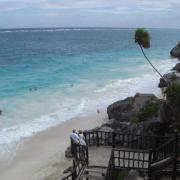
{"x": 142, "y": 38}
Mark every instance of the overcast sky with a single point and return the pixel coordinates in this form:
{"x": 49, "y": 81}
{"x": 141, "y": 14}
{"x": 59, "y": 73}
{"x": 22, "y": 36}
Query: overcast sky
{"x": 89, "y": 13}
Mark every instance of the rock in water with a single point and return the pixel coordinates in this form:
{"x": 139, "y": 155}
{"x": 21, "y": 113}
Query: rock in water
{"x": 175, "y": 52}
{"x": 176, "y": 68}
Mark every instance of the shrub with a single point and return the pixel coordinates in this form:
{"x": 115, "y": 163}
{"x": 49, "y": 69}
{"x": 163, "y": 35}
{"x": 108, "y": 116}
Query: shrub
{"x": 122, "y": 175}
{"x": 150, "y": 109}
{"x": 173, "y": 95}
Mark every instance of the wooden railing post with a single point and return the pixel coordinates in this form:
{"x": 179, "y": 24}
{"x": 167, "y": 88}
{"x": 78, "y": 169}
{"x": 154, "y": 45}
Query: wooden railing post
{"x": 113, "y": 161}
{"x": 113, "y": 139}
{"x": 149, "y": 164}
{"x": 85, "y": 136}
{"x": 97, "y": 138}
{"x": 175, "y": 155}
{"x": 87, "y": 155}
{"x": 74, "y": 174}
{"x": 73, "y": 152}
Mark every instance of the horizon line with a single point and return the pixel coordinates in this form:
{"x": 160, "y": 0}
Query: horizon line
{"x": 88, "y": 27}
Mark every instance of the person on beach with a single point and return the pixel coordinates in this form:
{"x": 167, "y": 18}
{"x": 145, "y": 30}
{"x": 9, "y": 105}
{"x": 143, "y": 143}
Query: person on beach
{"x": 81, "y": 138}
{"x": 74, "y": 137}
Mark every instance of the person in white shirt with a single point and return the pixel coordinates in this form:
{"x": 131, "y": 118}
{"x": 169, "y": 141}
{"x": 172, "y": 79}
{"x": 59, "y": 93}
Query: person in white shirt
{"x": 74, "y": 137}
{"x": 81, "y": 138}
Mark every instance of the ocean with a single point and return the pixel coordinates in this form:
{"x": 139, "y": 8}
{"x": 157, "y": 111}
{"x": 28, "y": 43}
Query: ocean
{"x": 51, "y": 75}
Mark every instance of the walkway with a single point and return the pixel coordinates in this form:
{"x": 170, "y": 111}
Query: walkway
{"x": 99, "y": 156}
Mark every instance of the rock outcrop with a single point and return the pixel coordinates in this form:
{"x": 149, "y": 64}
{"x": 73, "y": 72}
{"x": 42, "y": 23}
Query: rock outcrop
{"x": 176, "y": 68}
{"x": 175, "y": 52}
{"x": 121, "y": 110}
{"x": 139, "y": 115}
{"x": 126, "y": 110}
{"x": 169, "y": 77}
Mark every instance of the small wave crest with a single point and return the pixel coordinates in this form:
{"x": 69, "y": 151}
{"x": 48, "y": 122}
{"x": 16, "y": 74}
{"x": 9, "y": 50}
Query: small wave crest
{"x": 10, "y": 137}
{"x": 80, "y": 104}
{"x": 56, "y": 29}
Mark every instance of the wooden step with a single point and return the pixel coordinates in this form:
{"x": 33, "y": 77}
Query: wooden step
{"x": 99, "y": 171}
{"x": 91, "y": 177}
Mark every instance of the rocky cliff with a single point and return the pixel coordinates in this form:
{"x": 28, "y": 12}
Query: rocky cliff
{"x": 175, "y": 52}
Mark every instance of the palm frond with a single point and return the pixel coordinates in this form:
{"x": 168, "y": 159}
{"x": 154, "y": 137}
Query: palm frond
{"x": 142, "y": 37}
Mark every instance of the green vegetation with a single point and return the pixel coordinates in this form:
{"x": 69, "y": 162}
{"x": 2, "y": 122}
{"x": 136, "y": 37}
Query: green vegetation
{"x": 173, "y": 100}
{"x": 142, "y": 37}
{"x": 122, "y": 175}
{"x": 150, "y": 109}
{"x": 173, "y": 94}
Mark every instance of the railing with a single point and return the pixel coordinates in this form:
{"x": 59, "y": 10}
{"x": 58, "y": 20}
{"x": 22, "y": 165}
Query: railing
{"x": 164, "y": 151}
{"x": 80, "y": 161}
{"x": 165, "y": 157}
{"x": 131, "y": 159}
{"x": 103, "y": 138}
{"x": 145, "y": 153}
{"x": 80, "y": 152}
{"x": 149, "y": 161}
{"x": 110, "y": 174}
{"x": 78, "y": 166}
{"x": 68, "y": 177}
{"x": 128, "y": 159}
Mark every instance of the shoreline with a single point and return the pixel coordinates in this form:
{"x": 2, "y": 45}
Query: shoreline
{"x": 42, "y": 156}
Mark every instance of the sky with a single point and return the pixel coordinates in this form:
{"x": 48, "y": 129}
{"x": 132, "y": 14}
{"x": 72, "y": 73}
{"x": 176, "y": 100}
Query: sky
{"x": 90, "y": 13}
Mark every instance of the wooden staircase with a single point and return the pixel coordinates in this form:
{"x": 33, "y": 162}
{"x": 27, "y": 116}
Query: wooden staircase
{"x": 167, "y": 172}
{"x": 93, "y": 173}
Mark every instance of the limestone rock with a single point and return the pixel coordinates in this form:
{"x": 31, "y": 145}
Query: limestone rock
{"x": 121, "y": 110}
{"x": 176, "y": 68}
{"x": 126, "y": 109}
{"x": 169, "y": 77}
{"x": 175, "y": 52}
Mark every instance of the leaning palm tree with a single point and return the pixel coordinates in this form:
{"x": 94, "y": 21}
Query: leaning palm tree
{"x": 142, "y": 38}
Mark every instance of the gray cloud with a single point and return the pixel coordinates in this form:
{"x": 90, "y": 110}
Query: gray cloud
{"x": 90, "y": 12}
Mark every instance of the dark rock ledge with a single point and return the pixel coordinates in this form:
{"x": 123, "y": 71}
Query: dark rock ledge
{"x": 175, "y": 52}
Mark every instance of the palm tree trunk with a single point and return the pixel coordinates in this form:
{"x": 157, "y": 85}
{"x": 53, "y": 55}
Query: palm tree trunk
{"x": 172, "y": 109}
{"x": 152, "y": 64}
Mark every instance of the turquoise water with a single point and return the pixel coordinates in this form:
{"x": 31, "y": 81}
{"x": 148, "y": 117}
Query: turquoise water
{"x": 48, "y": 76}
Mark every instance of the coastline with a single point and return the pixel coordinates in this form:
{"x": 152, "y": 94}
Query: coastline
{"x": 42, "y": 156}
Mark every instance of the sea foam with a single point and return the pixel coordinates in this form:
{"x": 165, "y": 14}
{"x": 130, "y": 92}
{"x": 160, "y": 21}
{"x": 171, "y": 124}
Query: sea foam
{"x": 10, "y": 137}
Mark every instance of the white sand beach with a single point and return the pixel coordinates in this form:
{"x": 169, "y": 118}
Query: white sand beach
{"x": 42, "y": 156}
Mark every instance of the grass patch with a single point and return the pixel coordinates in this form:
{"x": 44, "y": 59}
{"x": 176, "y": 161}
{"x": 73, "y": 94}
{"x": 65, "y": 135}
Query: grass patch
{"x": 150, "y": 109}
